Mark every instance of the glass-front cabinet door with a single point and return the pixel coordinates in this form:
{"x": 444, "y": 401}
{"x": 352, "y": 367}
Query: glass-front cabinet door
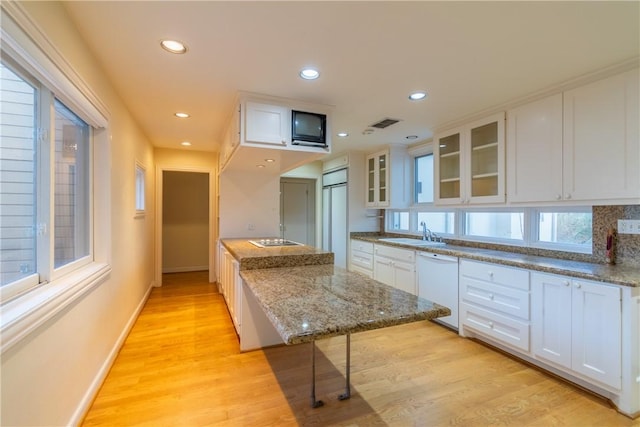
{"x": 383, "y": 179}
{"x": 449, "y": 168}
{"x": 470, "y": 163}
{"x": 371, "y": 181}
{"x": 378, "y": 190}
{"x": 486, "y": 160}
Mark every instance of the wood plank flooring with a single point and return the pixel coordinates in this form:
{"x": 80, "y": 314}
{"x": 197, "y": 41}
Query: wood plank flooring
{"x": 181, "y": 366}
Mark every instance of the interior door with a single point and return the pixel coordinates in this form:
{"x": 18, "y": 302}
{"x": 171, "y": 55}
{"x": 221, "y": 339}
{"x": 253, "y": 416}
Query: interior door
{"x": 297, "y": 210}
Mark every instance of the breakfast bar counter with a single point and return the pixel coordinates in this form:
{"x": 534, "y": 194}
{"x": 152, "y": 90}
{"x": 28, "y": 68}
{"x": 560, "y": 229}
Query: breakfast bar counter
{"x": 314, "y": 302}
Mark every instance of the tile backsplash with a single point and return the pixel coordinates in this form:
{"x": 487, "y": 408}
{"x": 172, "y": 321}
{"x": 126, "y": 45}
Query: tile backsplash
{"x": 627, "y": 245}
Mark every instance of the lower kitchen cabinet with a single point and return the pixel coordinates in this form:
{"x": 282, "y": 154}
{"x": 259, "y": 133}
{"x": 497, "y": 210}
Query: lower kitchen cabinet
{"x": 395, "y": 267}
{"x": 578, "y": 326}
{"x": 231, "y": 286}
{"x": 494, "y": 302}
{"x": 362, "y": 257}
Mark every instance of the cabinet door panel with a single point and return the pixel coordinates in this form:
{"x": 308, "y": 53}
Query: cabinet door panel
{"x": 551, "y": 318}
{"x": 534, "y": 151}
{"x": 601, "y": 146}
{"x": 383, "y": 270}
{"x": 266, "y": 124}
{"x": 405, "y": 277}
{"x": 596, "y": 332}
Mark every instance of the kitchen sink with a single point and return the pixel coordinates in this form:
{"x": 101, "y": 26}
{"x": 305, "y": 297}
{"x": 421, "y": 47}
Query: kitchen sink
{"x": 412, "y": 242}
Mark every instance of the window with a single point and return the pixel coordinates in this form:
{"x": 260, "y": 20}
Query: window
{"x": 17, "y": 179}
{"x": 565, "y": 227}
{"x": 495, "y": 225}
{"x": 437, "y": 222}
{"x": 423, "y": 179}
{"x": 140, "y": 192}
{"x": 45, "y": 185}
{"x": 399, "y": 221}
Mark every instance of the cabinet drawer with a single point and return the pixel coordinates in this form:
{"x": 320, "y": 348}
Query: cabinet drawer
{"x": 497, "y": 274}
{"x": 362, "y": 246}
{"x": 395, "y": 253}
{"x": 514, "y": 302}
{"x": 509, "y": 331}
{"x": 362, "y": 259}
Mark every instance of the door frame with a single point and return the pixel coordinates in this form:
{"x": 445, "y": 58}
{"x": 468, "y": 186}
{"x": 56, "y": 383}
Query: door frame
{"x": 159, "y": 216}
{"x": 311, "y": 214}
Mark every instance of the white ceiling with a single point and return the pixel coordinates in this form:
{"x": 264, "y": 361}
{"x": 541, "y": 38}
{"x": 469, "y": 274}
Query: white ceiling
{"x": 469, "y": 57}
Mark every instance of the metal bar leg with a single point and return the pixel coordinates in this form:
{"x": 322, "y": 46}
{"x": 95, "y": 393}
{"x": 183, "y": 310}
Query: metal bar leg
{"x": 347, "y": 392}
{"x": 314, "y": 403}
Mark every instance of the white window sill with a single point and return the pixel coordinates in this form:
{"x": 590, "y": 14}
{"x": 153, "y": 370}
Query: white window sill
{"x": 21, "y": 316}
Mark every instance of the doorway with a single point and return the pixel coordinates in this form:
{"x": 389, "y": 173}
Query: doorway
{"x": 298, "y": 210}
{"x": 185, "y": 221}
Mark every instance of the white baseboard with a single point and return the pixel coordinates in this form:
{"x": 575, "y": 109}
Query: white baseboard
{"x": 91, "y": 393}
{"x": 185, "y": 269}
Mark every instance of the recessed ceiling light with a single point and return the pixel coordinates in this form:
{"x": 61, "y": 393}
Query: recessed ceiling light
{"x": 343, "y": 134}
{"x": 259, "y": 166}
{"x": 185, "y": 144}
{"x": 309, "y": 74}
{"x": 417, "y": 96}
{"x": 411, "y": 136}
{"x": 173, "y": 46}
{"x": 182, "y": 115}
{"x": 269, "y": 160}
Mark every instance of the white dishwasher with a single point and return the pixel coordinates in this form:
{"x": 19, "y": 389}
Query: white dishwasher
{"x": 438, "y": 282}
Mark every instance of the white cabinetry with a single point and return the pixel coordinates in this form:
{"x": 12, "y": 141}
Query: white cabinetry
{"x": 362, "y": 257}
{"x": 388, "y": 179}
{"x": 601, "y": 148}
{"x": 231, "y": 286}
{"x": 494, "y": 301}
{"x": 469, "y": 163}
{"x": 534, "y": 151}
{"x": 577, "y": 325}
{"x": 580, "y": 145}
{"x": 395, "y": 267}
{"x": 267, "y": 124}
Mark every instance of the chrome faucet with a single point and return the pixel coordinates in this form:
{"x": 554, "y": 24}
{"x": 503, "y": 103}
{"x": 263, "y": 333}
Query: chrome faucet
{"x": 426, "y": 233}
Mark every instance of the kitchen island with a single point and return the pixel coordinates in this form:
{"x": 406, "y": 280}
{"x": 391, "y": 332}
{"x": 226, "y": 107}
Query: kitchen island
{"x": 303, "y": 297}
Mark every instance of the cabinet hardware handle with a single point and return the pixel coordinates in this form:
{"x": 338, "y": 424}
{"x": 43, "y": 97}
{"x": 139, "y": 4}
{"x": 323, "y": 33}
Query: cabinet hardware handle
{"x": 491, "y": 274}
{"x": 558, "y": 197}
{"x": 578, "y": 285}
{"x": 566, "y": 283}
{"x": 491, "y": 296}
{"x": 491, "y": 324}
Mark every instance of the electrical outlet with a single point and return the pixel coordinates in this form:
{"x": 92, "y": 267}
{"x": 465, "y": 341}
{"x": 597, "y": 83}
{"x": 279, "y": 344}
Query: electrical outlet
{"x": 629, "y": 226}
{"x": 251, "y": 226}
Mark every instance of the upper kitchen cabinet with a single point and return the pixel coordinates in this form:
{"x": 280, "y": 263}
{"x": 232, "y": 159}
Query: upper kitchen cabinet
{"x": 534, "y": 151}
{"x": 580, "y": 146}
{"x": 274, "y": 135}
{"x": 388, "y": 179}
{"x": 469, "y": 163}
{"x": 267, "y": 124}
{"x": 601, "y": 148}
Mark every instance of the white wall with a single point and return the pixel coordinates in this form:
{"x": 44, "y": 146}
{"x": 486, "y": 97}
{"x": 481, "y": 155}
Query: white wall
{"x": 249, "y": 204}
{"x": 49, "y": 377}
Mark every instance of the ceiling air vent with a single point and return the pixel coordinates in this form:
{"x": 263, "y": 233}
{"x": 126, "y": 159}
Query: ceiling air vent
{"x": 384, "y": 123}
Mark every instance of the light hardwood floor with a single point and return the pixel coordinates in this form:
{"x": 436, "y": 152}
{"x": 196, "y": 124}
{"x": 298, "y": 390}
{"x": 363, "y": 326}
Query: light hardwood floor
{"x": 181, "y": 366}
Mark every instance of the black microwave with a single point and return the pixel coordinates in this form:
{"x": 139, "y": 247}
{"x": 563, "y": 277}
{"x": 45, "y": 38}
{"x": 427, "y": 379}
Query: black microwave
{"x": 308, "y": 129}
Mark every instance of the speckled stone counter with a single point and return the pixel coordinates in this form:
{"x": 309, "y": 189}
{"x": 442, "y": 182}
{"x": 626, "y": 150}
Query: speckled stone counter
{"x": 313, "y": 302}
{"x": 252, "y": 257}
{"x": 624, "y": 275}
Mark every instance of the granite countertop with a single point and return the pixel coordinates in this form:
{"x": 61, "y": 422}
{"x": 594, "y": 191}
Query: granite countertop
{"x": 624, "y": 275}
{"x": 252, "y": 257}
{"x": 313, "y": 302}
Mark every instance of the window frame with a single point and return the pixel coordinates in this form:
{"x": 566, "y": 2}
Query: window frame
{"x": 25, "y": 46}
